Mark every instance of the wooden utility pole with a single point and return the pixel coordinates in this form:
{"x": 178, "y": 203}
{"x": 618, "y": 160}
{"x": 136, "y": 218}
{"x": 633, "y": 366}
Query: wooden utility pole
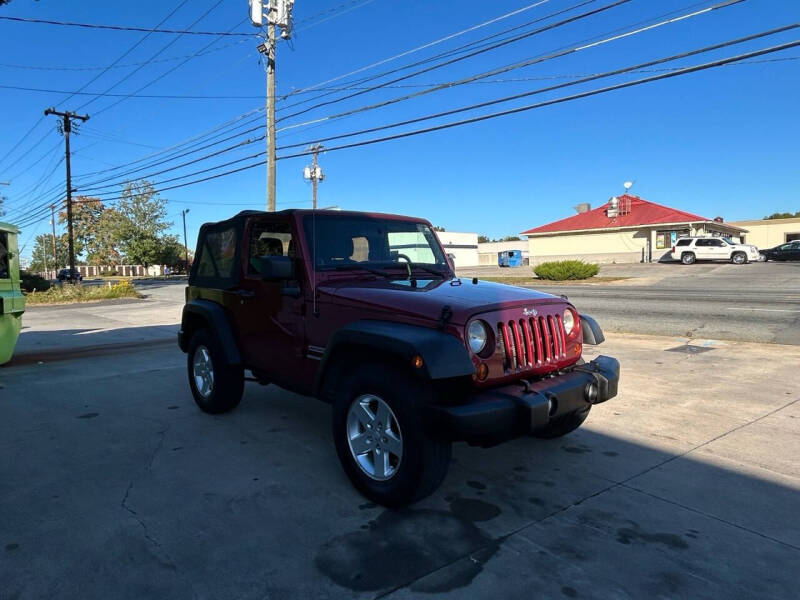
{"x": 278, "y": 14}
{"x": 314, "y": 173}
{"x": 66, "y": 127}
{"x": 270, "y": 118}
{"x": 53, "y": 238}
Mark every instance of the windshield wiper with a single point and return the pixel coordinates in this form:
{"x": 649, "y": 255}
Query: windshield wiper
{"x": 428, "y": 269}
{"x": 347, "y": 267}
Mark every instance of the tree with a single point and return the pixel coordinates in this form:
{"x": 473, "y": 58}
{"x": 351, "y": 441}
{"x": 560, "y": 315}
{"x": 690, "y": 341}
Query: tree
{"x": 437, "y": 228}
{"x": 141, "y": 223}
{"x": 42, "y": 256}
{"x": 482, "y": 239}
{"x": 783, "y": 215}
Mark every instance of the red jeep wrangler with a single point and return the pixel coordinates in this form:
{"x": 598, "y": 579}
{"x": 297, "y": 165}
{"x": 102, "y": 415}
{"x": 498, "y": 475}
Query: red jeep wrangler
{"x": 364, "y": 311}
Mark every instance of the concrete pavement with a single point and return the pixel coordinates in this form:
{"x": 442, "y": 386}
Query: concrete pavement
{"x": 684, "y": 486}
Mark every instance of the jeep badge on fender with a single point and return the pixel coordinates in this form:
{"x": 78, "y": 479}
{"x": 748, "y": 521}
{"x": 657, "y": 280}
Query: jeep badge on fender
{"x": 365, "y": 312}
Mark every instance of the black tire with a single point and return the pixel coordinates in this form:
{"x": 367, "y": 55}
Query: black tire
{"x": 227, "y": 380}
{"x": 564, "y": 424}
{"x": 424, "y": 461}
{"x": 688, "y": 258}
{"x": 738, "y": 258}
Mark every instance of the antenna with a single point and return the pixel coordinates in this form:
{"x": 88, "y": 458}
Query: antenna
{"x": 628, "y": 185}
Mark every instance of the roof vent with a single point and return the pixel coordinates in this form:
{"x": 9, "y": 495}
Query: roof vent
{"x": 582, "y": 207}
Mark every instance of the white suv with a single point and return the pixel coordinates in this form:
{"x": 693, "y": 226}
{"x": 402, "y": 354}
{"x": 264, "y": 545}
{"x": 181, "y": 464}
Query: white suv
{"x": 690, "y": 249}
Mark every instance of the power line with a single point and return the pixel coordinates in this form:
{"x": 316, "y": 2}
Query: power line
{"x": 125, "y": 27}
{"x": 418, "y": 48}
{"x": 116, "y": 66}
{"x": 563, "y": 99}
{"x": 108, "y": 95}
{"x": 525, "y": 63}
{"x": 473, "y": 53}
{"x": 157, "y": 53}
{"x": 551, "y": 88}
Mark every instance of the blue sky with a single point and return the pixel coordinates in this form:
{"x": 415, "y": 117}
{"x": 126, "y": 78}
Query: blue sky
{"x": 719, "y": 142}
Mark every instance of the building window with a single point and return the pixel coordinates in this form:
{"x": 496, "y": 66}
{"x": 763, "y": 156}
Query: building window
{"x": 790, "y": 237}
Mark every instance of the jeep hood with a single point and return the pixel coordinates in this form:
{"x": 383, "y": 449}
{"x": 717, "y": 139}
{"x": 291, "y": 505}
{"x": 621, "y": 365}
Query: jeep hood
{"x": 426, "y": 300}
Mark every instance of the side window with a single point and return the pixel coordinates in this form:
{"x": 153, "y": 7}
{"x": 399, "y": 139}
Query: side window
{"x": 701, "y": 243}
{"x": 716, "y": 243}
{"x": 4, "y": 261}
{"x": 684, "y": 242}
{"x": 217, "y": 261}
{"x": 268, "y": 239}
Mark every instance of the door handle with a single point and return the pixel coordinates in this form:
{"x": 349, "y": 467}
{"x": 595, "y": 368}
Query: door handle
{"x": 245, "y": 293}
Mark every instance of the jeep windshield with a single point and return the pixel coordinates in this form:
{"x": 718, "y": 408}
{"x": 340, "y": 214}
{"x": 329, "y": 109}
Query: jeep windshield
{"x": 374, "y": 244}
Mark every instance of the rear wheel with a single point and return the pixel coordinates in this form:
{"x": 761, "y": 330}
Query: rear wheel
{"x": 216, "y": 386}
{"x": 688, "y": 258}
{"x": 739, "y": 258}
{"x": 380, "y": 439}
{"x": 564, "y": 424}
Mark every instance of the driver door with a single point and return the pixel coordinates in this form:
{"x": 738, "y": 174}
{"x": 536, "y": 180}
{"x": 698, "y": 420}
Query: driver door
{"x": 270, "y": 323}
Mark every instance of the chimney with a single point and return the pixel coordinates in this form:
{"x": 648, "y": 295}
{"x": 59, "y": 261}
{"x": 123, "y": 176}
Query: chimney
{"x": 582, "y": 207}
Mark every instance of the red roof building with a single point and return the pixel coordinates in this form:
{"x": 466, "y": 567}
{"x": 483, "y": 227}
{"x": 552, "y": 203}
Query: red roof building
{"x": 624, "y": 229}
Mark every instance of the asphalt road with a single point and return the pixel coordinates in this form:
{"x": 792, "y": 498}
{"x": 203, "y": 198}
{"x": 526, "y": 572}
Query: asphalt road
{"x": 757, "y": 302}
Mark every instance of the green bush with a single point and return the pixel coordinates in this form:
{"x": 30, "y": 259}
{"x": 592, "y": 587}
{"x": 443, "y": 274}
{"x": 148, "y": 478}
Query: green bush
{"x": 68, "y": 293}
{"x": 30, "y": 282}
{"x": 561, "y": 270}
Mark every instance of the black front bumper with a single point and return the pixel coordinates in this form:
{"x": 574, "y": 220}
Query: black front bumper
{"x": 496, "y": 415}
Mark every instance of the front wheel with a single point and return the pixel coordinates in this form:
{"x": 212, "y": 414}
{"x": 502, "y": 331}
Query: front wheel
{"x": 564, "y": 424}
{"x": 380, "y": 439}
{"x": 216, "y": 386}
{"x": 739, "y": 258}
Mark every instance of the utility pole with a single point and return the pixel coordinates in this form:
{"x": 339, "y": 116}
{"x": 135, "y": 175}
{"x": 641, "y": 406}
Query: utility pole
{"x": 66, "y": 127}
{"x": 185, "y": 246}
{"x": 314, "y": 173}
{"x": 53, "y": 225}
{"x": 278, "y": 14}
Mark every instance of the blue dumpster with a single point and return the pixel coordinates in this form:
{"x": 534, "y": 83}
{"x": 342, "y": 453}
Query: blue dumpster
{"x": 509, "y": 258}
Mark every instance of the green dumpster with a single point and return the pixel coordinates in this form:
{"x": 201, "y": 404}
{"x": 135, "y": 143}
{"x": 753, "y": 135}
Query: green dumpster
{"x": 12, "y": 302}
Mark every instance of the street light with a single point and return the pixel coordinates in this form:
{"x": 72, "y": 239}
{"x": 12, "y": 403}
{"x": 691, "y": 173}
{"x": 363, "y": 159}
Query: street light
{"x": 185, "y": 247}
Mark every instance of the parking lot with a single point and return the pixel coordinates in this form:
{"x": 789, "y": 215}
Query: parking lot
{"x": 684, "y": 486}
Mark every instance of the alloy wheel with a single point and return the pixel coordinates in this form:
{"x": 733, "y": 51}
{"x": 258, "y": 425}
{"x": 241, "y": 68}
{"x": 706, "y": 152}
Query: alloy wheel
{"x": 203, "y": 371}
{"x": 374, "y": 437}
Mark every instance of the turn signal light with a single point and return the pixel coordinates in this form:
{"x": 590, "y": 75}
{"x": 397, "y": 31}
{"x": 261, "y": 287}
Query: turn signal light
{"x": 482, "y": 371}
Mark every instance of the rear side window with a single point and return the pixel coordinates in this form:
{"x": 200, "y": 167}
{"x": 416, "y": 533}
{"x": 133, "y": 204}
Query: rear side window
{"x": 684, "y": 242}
{"x": 216, "y": 263}
{"x": 4, "y": 261}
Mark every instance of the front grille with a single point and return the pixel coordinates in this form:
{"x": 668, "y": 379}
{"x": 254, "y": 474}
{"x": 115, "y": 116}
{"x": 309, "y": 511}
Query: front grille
{"x": 532, "y": 342}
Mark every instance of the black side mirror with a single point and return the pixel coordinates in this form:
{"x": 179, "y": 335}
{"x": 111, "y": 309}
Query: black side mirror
{"x": 276, "y": 267}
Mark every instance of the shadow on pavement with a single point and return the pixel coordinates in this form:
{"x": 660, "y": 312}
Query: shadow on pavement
{"x": 133, "y": 493}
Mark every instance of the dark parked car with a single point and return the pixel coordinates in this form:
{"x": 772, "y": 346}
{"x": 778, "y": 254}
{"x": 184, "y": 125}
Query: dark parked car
{"x": 64, "y": 275}
{"x": 790, "y": 251}
{"x": 364, "y": 311}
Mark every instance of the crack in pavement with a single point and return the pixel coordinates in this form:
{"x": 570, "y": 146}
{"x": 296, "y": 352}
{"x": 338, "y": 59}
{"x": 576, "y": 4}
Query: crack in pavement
{"x": 167, "y": 559}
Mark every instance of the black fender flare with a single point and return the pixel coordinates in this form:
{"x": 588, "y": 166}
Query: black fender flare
{"x": 443, "y": 355}
{"x": 213, "y": 315}
{"x": 592, "y": 334}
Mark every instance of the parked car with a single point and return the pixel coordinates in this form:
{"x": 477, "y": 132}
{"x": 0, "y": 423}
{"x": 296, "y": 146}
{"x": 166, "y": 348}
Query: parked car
{"x": 364, "y": 311}
{"x": 691, "y": 249}
{"x": 790, "y": 251}
{"x": 67, "y": 275}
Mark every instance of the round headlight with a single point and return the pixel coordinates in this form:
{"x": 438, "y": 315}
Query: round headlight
{"x": 477, "y": 336}
{"x": 569, "y": 321}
